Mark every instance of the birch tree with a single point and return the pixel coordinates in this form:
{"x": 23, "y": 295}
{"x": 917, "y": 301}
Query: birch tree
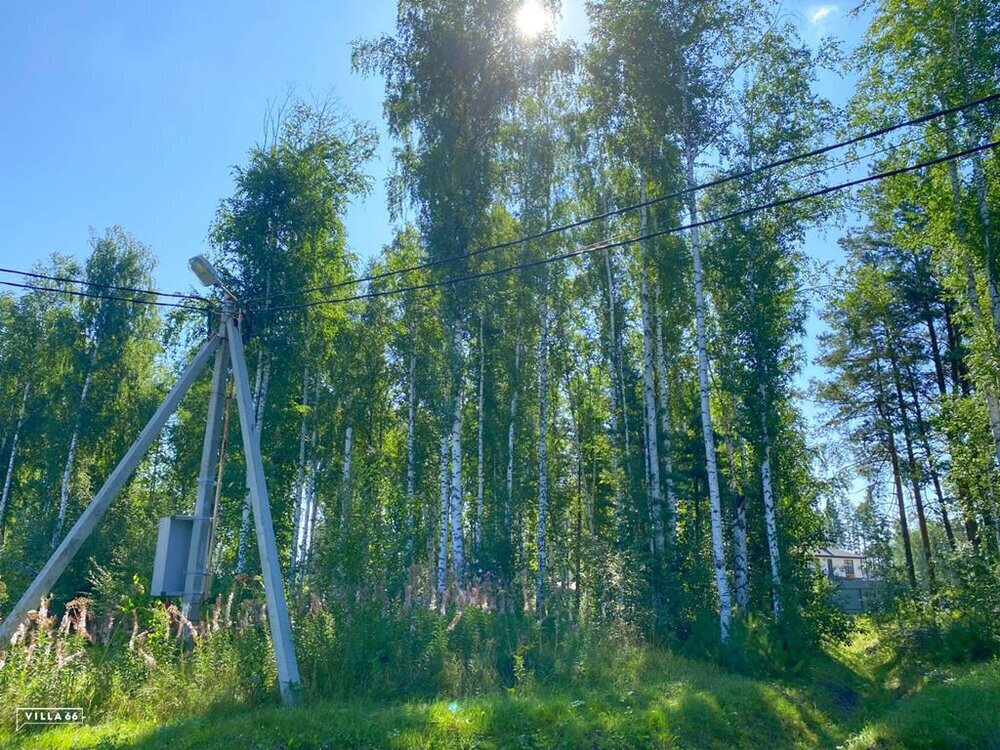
{"x": 451, "y": 104}
{"x": 106, "y": 328}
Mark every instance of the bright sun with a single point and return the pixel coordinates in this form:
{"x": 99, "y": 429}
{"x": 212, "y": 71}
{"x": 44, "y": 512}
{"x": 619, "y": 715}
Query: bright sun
{"x": 533, "y": 19}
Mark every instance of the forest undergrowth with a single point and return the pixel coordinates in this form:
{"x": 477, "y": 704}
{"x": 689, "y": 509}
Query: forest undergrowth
{"x": 145, "y": 677}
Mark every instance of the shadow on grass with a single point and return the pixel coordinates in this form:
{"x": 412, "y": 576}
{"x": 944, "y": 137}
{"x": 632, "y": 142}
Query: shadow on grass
{"x": 662, "y": 701}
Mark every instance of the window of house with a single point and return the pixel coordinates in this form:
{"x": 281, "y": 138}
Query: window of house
{"x": 849, "y": 568}
{"x": 829, "y": 566}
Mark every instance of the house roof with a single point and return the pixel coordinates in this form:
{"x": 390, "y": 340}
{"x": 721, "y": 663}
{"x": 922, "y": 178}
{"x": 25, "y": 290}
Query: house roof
{"x": 837, "y": 552}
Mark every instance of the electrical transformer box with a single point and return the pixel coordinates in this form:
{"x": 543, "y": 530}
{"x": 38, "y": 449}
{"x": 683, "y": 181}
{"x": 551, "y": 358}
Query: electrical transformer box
{"x": 173, "y": 543}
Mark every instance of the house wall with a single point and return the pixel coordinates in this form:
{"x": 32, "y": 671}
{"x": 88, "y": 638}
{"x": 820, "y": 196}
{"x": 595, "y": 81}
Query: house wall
{"x": 841, "y": 567}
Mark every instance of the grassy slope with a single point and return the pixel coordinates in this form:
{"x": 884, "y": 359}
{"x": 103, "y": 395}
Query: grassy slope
{"x": 664, "y": 702}
{"x": 961, "y": 712}
{"x": 669, "y": 702}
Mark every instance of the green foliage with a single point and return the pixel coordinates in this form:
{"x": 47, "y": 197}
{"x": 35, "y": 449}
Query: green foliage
{"x": 959, "y": 623}
{"x": 545, "y": 623}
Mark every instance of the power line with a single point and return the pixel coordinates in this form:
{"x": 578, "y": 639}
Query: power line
{"x": 77, "y": 293}
{"x": 611, "y": 243}
{"x": 877, "y": 152}
{"x": 114, "y": 287}
{"x": 651, "y": 201}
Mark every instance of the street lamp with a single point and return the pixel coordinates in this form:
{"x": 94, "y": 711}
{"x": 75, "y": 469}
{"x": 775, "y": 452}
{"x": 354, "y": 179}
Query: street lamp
{"x": 207, "y": 275}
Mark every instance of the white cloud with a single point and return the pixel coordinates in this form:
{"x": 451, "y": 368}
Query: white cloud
{"x": 822, "y": 12}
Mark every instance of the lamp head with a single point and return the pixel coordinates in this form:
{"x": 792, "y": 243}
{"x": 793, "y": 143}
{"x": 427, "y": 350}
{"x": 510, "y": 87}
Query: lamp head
{"x": 205, "y": 271}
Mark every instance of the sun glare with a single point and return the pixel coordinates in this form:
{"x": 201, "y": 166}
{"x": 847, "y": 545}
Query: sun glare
{"x": 533, "y": 19}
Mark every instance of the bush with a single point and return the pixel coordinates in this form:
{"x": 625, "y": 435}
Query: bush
{"x": 960, "y": 621}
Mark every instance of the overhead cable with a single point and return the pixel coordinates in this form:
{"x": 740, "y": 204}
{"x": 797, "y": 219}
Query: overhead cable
{"x": 92, "y": 295}
{"x": 649, "y": 202}
{"x": 98, "y": 285}
{"x": 611, "y": 244}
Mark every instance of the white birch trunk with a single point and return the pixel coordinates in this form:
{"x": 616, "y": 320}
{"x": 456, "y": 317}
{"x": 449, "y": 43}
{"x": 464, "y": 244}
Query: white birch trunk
{"x": 715, "y": 503}
{"x": 478, "y": 529}
{"x": 742, "y": 582}
{"x": 298, "y": 514}
{"x": 442, "y": 562}
{"x": 411, "y": 421}
{"x": 645, "y": 474}
{"x": 741, "y": 561}
{"x": 313, "y": 519}
{"x": 457, "y": 540}
{"x": 345, "y": 481}
{"x": 668, "y": 465}
{"x": 71, "y": 455}
{"x": 615, "y": 383}
{"x": 619, "y": 359}
{"x": 770, "y": 521}
{"x": 512, "y": 416}
{"x": 622, "y": 390}
{"x": 688, "y": 134}
{"x": 617, "y": 459}
{"x": 312, "y": 475}
{"x": 261, "y": 380}
{"x": 543, "y": 456}
{"x": 648, "y": 392}
{"x": 5, "y": 496}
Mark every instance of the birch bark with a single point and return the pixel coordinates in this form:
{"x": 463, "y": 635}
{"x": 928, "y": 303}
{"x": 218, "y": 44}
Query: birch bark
{"x": 715, "y": 503}
{"x": 5, "y": 496}
{"x": 478, "y": 528}
{"x": 616, "y": 387}
{"x": 737, "y": 486}
{"x": 742, "y": 582}
{"x": 71, "y": 455}
{"x": 442, "y": 562}
{"x": 770, "y": 519}
{"x": 411, "y": 420}
{"x": 310, "y": 531}
{"x": 261, "y": 380}
{"x": 648, "y": 391}
{"x": 457, "y": 540}
{"x": 345, "y": 482}
{"x": 668, "y": 466}
{"x": 543, "y": 456}
{"x": 300, "y": 481}
{"x": 512, "y": 418}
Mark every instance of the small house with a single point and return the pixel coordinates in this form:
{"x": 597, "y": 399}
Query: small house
{"x": 837, "y": 562}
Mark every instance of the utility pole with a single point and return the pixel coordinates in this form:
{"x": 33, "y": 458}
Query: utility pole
{"x": 198, "y": 556}
{"x": 274, "y": 587}
{"x": 227, "y": 346}
{"x": 90, "y": 517}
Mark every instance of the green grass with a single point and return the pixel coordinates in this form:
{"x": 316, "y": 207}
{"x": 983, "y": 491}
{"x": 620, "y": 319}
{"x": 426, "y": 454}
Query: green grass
{"x": 668, "y": 702}
{"x": 854, "y": 696}
{"x": 957, "y": 713}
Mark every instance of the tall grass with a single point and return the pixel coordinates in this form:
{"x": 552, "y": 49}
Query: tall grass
{"x": 149, "y": 662}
